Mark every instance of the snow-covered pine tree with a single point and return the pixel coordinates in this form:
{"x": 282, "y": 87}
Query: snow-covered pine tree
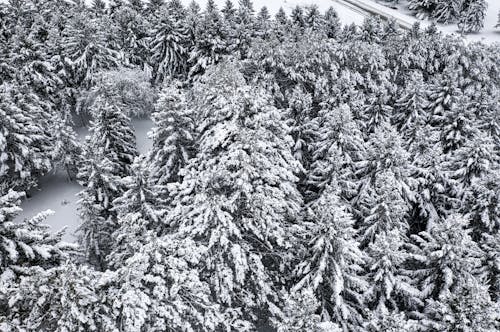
{"x": 482, "y": 202}
{"x": 69, "y": 297}
{"x": 383, "y": 208}
{"x": 332, "y": 23}
{"x": 297, "y": 17}
{"x": 498, "y": 23}
{"x": 263, "y": 23}
{"x": 153, "y": 6}
{"x": 88, "y": 48}
{"x": 469, "y": 308}
{"x": 159, "y": 289}
{"x": 378, "y": 108}
{"x": 476, "y": 158}
{"x": 244, "y": 29}
{"x": 336, "y": 148}
{"x": 445, "y": 258}
{"x": 173, "y": 136}
{"x": 281, "y": 17}
{"x": 384, "y": 176}
{"x": 97, "y": 220}
{"x": 313, "y": 19}
{"x": 169, "y": 53}
{"x": 410, "y": 110}
{"x": 26, "y": 244}
{"x": 472, "y": 16}
{"x": 139, "y": 209}
{"x": 390, "y": 288}
{"x": 229, "y": 11}
{"x": 239, "y": 195}
{"x": 300, "y": 314}
{"x": 67, "y": 150}
{"x": 448, "y": 11}
{"x": 331, "y": 262}
{"x": 111, "y": 130}
{"x": 210, "y": 40}
{"x": 25, "y": 142}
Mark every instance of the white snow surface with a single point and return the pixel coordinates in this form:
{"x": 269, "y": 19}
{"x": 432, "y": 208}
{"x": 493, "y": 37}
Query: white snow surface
{"x": 55, "y": 192}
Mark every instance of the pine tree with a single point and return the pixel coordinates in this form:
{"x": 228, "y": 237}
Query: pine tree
{"x": 64, "y": 298}
{"x": 242, "y": 197}
{"x": 158, "y": 289}
{"x": 468, "y": 309}
{"x": 173, "y": 136}
{"x": 97, "y": 221}
{"x": 331, "y": 264}
{"x": 472, "y": 17}
{"x": 337, "y": 146}
{"x": 498, "y": 23}
{"x": 263, "y": 23}
{"x": 153, "y": 6}
{"x": 445, "y": 258}
{"x": 67, "y": 150}
{"x": 410, "y": 110}
{"x": 297, "y": 17}
{"x": 300, "y": 315}
{"x": 210, "y": 41}
{"x": 229, "y": 11}
{"x": 24, "y": 138}
{"x": 389, "y": 286}
{"x": 168, "y": 47}
{"x": 98, "y": 7}
{"x": 112, "y": 131}
{"x": 313, "y": 18}
{"x": 332, "y": 23}
{"x": 27, "y": 244}
{"x": 86, "y": 44}
{"x": 281, "y": 17}
{"x": 447, "y": 11}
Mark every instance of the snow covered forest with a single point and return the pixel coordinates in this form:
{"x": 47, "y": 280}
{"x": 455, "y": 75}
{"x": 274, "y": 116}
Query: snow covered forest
{"x": 304, "y": 175}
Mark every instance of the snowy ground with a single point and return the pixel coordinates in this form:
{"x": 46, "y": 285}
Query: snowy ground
{"x": 58, "y": 194}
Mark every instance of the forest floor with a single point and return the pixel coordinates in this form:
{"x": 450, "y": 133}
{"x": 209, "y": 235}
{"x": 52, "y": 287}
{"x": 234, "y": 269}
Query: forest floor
{"x": 55, "y": 192}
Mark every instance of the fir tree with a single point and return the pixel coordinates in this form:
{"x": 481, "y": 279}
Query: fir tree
{"x": 168, "y": 47}
{"x": 67, "y": 150}
{"x": 472, "y": 17}
{"x": 331, "y": 265}
{"x": 210, "y": 41}
{"x": 24, "y": 138}
{"x": 332, "y": 23}
{"x": 242, "y": 198}
{"x": 173, "y": 136}
{"x": 445, "y": 258}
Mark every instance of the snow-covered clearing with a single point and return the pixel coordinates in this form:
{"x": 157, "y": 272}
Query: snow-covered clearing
{"x": 57, "y": 193}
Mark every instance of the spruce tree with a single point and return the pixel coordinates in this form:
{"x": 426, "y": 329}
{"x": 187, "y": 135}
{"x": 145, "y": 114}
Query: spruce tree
{"x": 169, "y": 54}
{"x": 67, "y": 150}
{"x": 242, "y": 198}
{"x": 173, "y": 136}
{"x": 331, "y": 263}
{"x": 25, "y": 139}
{"x": 332, "y": 23}
{"x": 472, "y": 16}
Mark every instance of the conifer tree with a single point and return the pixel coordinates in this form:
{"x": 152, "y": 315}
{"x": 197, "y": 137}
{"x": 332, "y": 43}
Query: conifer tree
{"x": 336, "y": 149}
{"x": 472, "y": 16}
{"x": 331, "y": 264}
{"x": 445, "y": 258}
{"x": 97, "y": 221}
{"x": 86, "y": 44}
{"x": 173, "y": 136}
{"x": 24, "y": 138}
{"x": 332, "y": 23}
{"x": 389, "y": 287}
{"x": 168, "y": 47}
{"x": 210, "y": 41}
{"x": 159, "y": 289}
{"x": 65, "y": 298}
{"x": 242, "y": 197}
{"x": 112, "y": 132}
{"x": 229, "y": 11}
{"x": 29, "y": 243}
{"x": 67, "y": 150}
